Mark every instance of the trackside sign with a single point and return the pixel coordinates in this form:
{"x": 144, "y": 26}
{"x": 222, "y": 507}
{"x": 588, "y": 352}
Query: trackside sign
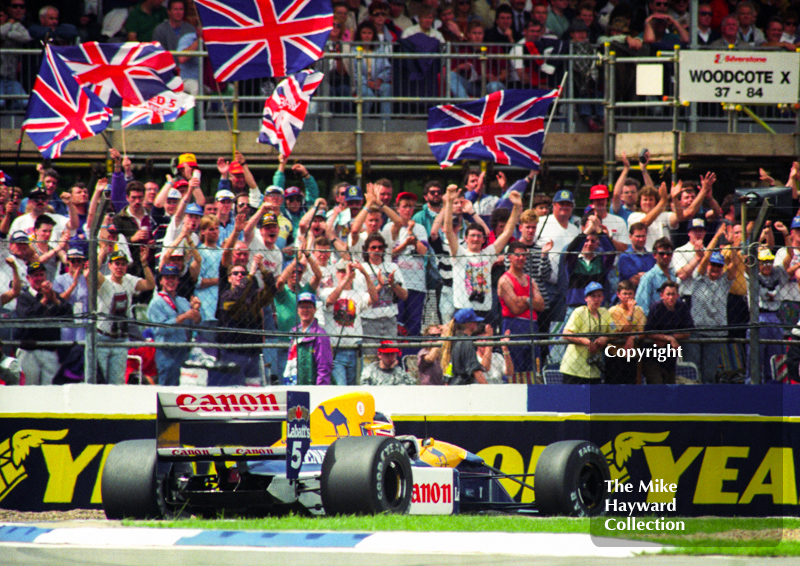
{"x": 739, "y": 77}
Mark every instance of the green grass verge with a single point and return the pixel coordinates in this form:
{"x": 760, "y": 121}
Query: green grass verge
{"x": 744, "y": 536}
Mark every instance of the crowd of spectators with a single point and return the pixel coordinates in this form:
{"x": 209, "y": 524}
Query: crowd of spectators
{"x": 279, "y": 277}
{"x": 526, "y": 29}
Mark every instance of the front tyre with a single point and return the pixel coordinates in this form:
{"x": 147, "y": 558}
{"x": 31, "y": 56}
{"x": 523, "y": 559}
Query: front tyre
{"x": 571, "y": 479}
{"x": 366, "y": 475}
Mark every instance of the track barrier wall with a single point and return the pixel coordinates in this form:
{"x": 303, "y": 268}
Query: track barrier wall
{"x": 731, "y": 450}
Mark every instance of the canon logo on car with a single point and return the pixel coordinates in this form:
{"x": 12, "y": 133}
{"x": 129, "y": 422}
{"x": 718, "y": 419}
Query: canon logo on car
{"x": 228, "y": 403}
{"x": 253, "y": 451}
{"x": 432, "y": 493}
{"x": 191, "y": 452}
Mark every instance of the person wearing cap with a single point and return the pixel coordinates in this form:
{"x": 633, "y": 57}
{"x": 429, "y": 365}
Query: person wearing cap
{"x": 48, "y": 182}
{"x": 460, "y": 357}
{"x": 309, "y": 359}
{"x": 582, "y": 362}
{"x": 558, "y": 228}
{"x": 273, "y": 200}
{"x": 235, "y": 176}
{"x": 171, "y": 314}
{"x": 668, "y": 324}
{"x": 771, "y": 278}
{"x": 37, "y": 302}
{"x": 687, "y": 258}
{"x": 688, "y": 203}
{"x": 711, "y": 283}
{"x": 472, "y": 263}
{"x": 647, "y": 293}
{"x": 313, "y": 225}
{"x": 344, "y": 306}
{"x": 176, "y": 254}
{"x": 612, "y": 225}
{"x": 387, "y": 369}
{"x": 187, "y": 216}
{"x": 241, "y": 308}
{"x": 27, "y": 221}
{"x": 265, "y": 243}
{"x": 295, "y": 209}
{"x": 73, "y": 288}
{"x": 342, "y": 215}
{"x": 19, "y": 245}
{"x": 224, "y": 213}
{"x": 115, "y": 295}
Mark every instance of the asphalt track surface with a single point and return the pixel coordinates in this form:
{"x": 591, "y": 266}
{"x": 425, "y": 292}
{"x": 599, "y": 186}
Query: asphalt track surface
{"x": 52, "y": 544}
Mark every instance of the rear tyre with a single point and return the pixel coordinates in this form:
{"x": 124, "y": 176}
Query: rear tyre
{"x": 129, "y": 485}
{"x": 366, "y": 475}
{"x": 571, "y": 479}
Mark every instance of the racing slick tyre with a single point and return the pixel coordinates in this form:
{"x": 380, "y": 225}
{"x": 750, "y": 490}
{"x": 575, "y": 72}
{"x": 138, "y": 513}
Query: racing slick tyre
{"x": 366, "y": 475}
{"x": 129, "y": 486}
{"x": 571, "y": 479}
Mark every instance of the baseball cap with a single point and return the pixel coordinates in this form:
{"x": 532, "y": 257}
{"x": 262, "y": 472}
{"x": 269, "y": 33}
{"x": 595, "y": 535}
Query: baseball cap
{"x": 697, "y": 224}
{"x": 194, "y": 208}
{"x": 405, "y": 195}
{"x": 292, "y": 192}
{"x": 598, "y": 191}
{"x": 765, "y": 255}
{"x": 187, "y": 159}
{"x": 235, "y": 168}
{"x": 717, "y": 259}
{"x": 307, "y": 298}
{"x": 117, "y": 254}
{"x": 75, "y": 252}
{"x": 353, "y": 193}
{"x": 564, "y": 196}
{"x": 35, "y": 266}
{"x": 170, "y": 269}
{"x": 180, "y": 183}
{"x": 795, "y": 222}
{"x": 466, "y": 315}
{"x": 224, "y": 193}
{"x": 37, "y": 192}
{"x": 20, "y": 237}
{"x": 321, "y": 211}
{"x": 591, "y": 288}
{"x": 273, "y": 190}
{"x": 387, "y": 347}
{"x": 173, "y": 194}
{"x": 269, "y": 218}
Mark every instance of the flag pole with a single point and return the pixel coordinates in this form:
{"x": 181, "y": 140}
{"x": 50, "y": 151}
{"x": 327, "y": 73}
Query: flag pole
{"x": 547, "y": 129}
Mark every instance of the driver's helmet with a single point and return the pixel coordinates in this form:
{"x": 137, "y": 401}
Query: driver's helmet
{"x": 381, "y": 425}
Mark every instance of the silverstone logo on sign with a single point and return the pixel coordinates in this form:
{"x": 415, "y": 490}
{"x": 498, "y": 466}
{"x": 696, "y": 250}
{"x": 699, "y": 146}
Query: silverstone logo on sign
{"x": 752, "y": 77}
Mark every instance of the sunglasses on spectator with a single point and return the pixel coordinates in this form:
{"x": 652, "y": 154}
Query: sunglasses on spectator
{"x": 294, "y": 199}
{"x": 39, "y": 199}
{"x": 664, "y": 254}
{"x": 704, "y": 13}
{"x": 377, "y": 248}
{"x": 238, "y": 272}
{"x": 241, "y": 204}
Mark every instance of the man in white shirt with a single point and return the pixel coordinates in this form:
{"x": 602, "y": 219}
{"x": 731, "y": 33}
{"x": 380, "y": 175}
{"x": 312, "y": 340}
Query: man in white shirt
{"x": 425, "y": 25}
{"x": 557, "y": 228}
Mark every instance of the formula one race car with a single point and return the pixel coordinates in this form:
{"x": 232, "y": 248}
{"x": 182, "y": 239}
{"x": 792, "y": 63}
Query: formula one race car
{"x": 211, "y": 455}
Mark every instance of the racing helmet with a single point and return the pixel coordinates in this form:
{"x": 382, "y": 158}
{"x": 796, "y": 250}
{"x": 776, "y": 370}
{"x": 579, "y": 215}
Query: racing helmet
{"x": 381, "y": 425}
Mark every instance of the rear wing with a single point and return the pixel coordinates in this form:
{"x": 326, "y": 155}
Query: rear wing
{"x": 233, "y": 424}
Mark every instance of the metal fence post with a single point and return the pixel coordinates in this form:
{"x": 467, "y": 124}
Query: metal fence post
{"x": 609, "y": 133}
{"x": 359, "y": 133}
{"x": 752, "y": 296}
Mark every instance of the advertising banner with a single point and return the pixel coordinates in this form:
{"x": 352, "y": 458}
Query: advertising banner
{"x": 753, "y": 77}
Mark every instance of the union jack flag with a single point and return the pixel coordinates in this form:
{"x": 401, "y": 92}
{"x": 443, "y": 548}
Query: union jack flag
{"x": 116, "y": 72}
{"x": 165, "y": 107}
{"x": 285, "y": 111}
{"x": 506, "y": 127}
{"x": 60, "y": 110}
{"x": 264, "y": 38}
